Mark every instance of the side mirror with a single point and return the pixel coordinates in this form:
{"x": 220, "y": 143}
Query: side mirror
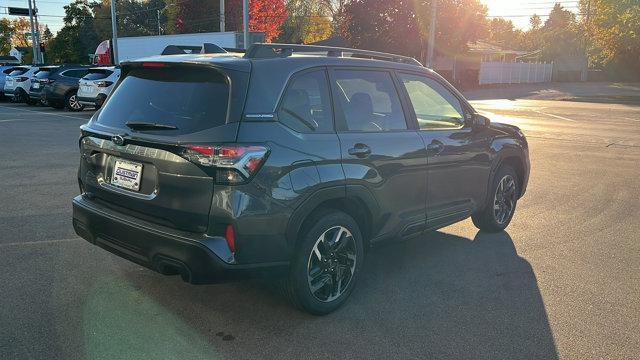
{"x": 478, "y": 120}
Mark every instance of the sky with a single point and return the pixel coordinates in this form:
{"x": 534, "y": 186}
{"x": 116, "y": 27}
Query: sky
{"x": 518, "y": 11}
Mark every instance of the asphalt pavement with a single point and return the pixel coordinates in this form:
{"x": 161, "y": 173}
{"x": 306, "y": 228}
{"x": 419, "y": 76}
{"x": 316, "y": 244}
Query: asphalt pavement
{"x": 562, "y": 282}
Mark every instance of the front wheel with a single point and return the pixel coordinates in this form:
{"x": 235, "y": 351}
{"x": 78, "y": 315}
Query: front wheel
{"x": 326, "y": 264}
{"x": 501, "y": 201}
{"x": 72, "y": 103}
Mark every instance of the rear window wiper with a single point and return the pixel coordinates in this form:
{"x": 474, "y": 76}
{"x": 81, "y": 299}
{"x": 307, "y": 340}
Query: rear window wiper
{"x": 143, "y": 125}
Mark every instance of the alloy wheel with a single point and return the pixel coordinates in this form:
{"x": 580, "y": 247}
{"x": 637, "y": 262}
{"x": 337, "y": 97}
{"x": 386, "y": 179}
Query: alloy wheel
{"x": 331, "y": 264}
{"x": 505, "y": 199}
{"x": 74, "y": 103}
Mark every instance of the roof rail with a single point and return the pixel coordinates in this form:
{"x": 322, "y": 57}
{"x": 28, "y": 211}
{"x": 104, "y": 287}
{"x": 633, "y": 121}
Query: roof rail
{"x": 273, "y": 50}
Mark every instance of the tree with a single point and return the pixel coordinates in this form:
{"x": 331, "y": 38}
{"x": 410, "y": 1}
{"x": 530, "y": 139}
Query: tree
{"x": 21, "y": 27}
{"x": 613, "y": 31}
{"x": 265, "y": 16}
{"x": 560, "y": 35}
{"x": 191, "y": 16}
{"x": 503, "y": 33}
{"x": 6, "y": 32}
{"x": 397, "y": 26}
{"x": 135, "y": 18}
{"x": 77, "y": 38}
{"x": 306, "y": 22}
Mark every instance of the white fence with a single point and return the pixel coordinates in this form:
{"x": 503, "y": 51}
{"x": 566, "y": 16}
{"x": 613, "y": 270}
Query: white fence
{"x": 514, "y": 73}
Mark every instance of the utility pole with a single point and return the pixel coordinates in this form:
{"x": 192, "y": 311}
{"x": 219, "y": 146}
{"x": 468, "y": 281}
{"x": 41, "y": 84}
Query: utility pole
{"x": 584, "y": 74}
{"x": 222, "y": 25}
{"x": 245, "y": 22}
{"x": 33, "y": 36}
{"x": 432, "y": 33}
{"x": 158, "y": 18}
{"x": 114, "y": 30}
{"x": 37, "y": 40}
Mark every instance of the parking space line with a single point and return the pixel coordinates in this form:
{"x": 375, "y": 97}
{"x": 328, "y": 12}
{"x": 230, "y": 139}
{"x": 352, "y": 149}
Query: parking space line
{"x": 40, "y": 242}
{"x": 45, "y": 113}
{"x": 555, "y": 116}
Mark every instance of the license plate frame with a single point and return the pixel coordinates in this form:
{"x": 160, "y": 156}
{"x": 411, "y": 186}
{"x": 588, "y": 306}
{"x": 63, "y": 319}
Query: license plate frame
{"x": 127, "y": 174}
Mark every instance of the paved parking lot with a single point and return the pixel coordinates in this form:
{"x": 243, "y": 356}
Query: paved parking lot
{"x": 562, "y": 282}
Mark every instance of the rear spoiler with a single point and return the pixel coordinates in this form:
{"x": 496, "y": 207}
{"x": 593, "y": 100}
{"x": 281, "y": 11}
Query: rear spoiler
{"x": 206, "y": 48}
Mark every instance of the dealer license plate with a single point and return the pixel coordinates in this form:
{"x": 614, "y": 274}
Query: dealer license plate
{"x": 127, "y": 174}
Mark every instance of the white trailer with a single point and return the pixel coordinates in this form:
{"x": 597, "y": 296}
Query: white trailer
{"x": 134, "y": 47}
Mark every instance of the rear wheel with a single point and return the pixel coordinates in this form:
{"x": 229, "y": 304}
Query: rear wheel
{"x": 72, "y": 103}
{"x": 326, "y": 265}
{"x": 501, "y": 202}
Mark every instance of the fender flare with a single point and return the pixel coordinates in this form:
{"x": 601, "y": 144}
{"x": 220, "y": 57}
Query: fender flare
{"x": 320, "y": 196}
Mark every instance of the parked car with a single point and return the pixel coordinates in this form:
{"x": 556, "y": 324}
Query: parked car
{"x": 4, "y": 71}
{"x": 17, "y": 83}
{"x": 96, "y": 85}
{"x": 61, "y": 88}
{"x": 226, "y": 165}
{"x": 46, "y": 75}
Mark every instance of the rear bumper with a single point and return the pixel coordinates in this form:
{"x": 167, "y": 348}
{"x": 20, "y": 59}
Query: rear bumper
{"x": 98, "y": 100}
{"x": 199, "y": 259}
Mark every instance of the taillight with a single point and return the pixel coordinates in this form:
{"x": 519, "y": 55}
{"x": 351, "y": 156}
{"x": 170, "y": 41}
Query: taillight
{"x": 234, "y": 164}
{"x": 22, "y": 78}
{"x": 230, "y": 236}
{"x": 103, "y": 83}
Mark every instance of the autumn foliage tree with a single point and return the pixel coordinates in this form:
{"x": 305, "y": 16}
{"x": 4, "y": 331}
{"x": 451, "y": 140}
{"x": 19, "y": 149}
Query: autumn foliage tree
{"x": 402, "y": 26}
{"x": 265, "y": 16}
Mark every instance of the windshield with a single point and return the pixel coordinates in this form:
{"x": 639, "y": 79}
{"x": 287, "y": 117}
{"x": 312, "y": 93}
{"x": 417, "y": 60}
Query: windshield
{"x": 190, "y": 99}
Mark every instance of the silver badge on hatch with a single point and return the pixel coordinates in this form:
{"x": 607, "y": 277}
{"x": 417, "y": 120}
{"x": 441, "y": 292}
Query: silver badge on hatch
{"x": 118, "y": 140}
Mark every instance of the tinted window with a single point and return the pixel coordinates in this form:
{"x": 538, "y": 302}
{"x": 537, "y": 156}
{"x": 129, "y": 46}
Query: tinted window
{"x": 97, "y": 74}
{"x": 17, "y": 72}
{"x": 192, "y": 100}
{"x": 42, "y": 74}
{"x": 78, "y": 73}
{"x": 434, "y": 105}
{"x": 306, "y": 106}
{"x": 369, "y": 101}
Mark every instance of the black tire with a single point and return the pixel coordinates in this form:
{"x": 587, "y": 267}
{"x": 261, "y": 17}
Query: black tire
{"x": 326, "y": 298}
{"x": 20, "y": 96}
{"x": 489, "y": 218}
{"x": 31, "y": 102}
{"x": 71, "y": 102}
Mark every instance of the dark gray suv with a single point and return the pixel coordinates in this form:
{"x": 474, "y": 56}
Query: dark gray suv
{"x": 289, "y": 160}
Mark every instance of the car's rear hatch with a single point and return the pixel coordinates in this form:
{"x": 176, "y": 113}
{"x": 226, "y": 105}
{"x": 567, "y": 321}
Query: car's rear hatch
{"x": 90, "y": 84}
{"x": 132, "y": 149}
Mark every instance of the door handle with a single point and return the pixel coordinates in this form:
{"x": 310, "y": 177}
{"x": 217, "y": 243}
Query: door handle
{"x": 360, "y": 150}
{"x": 435, "y": 147}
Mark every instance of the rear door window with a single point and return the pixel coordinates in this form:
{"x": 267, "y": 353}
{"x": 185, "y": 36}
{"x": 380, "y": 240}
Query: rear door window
{"x": 306, "y": 106}
{"x": 191, "y": 99}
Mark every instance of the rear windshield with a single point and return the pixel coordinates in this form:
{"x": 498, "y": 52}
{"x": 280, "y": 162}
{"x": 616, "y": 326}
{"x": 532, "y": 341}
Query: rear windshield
{"x": 42, "y": 74}
{"x": 17, "y": 72}
{"x": 190, "y": 99}
{"x": 97, "y": 74}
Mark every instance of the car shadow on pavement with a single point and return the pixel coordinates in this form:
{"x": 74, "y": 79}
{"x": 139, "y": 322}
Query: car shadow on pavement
{"x": 437, "y": 296}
